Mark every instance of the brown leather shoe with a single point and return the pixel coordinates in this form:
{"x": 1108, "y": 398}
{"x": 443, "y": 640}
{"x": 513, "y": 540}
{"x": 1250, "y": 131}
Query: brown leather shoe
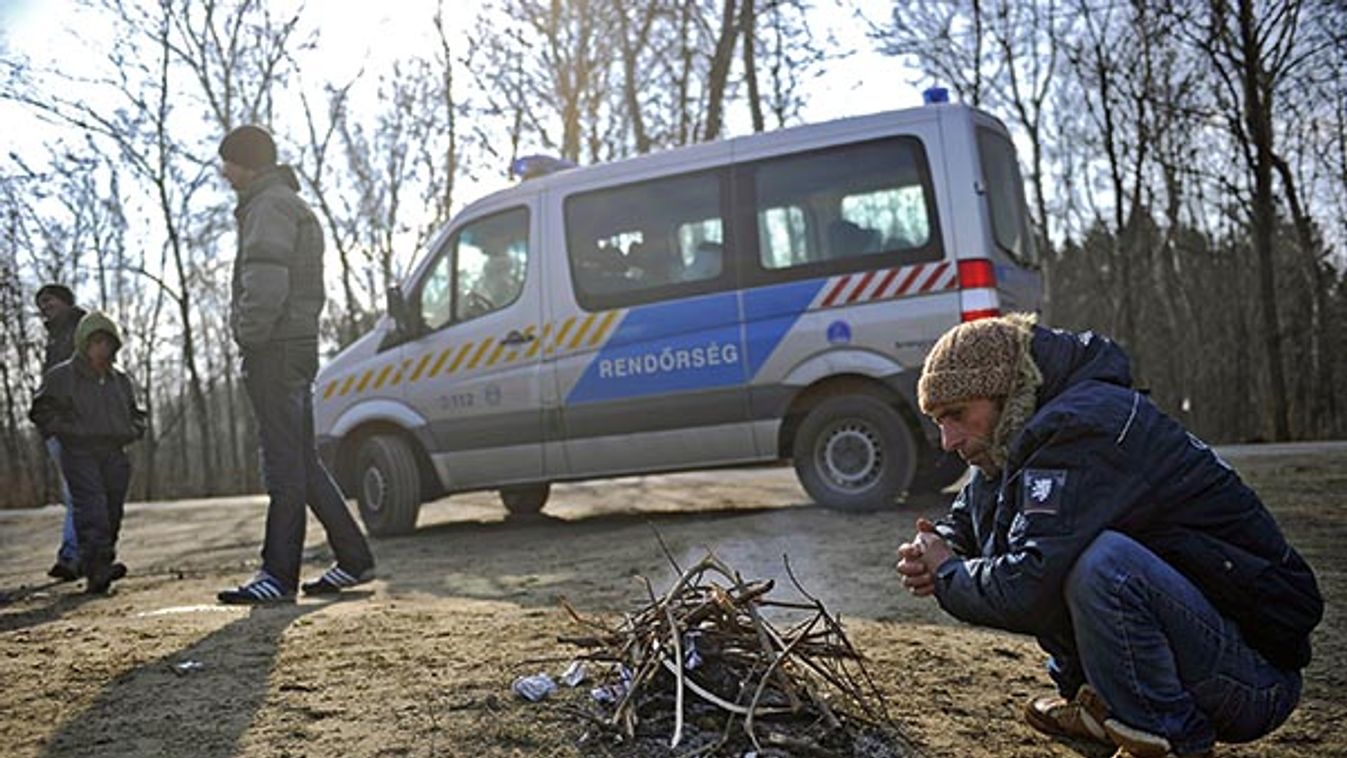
{"x": 1081, "y": 717}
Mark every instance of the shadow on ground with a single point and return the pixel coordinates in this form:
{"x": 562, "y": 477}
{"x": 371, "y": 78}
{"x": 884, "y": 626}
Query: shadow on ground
{"x": 154, "y": 710}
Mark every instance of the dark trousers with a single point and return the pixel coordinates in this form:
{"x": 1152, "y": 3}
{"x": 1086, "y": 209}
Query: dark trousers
{"x": 1163, "y": 658}
{"x": 293, "y": 472}
{"x": 98, "y": 480}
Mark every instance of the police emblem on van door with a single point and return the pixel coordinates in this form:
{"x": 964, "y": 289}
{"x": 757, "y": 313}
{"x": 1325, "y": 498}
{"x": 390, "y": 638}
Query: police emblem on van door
{"x": 1042, "y": 490}
{"x": 839, "y": 333}
{"x": 491, "y": 394}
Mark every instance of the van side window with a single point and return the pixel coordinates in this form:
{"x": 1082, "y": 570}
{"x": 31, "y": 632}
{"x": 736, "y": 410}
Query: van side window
{"x": 649, "y": 241}
{"x": 481, "y": 270}
{"x": 846, "y": 208}
{"x": 1005, "y": 196}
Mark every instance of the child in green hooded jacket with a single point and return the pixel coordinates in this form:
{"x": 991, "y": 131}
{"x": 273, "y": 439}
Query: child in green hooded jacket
{"x": 89, "y": 405}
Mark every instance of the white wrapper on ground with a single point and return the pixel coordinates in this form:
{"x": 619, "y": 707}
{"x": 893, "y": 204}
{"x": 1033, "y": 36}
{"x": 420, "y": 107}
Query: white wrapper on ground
{"x": 534, "y": 688}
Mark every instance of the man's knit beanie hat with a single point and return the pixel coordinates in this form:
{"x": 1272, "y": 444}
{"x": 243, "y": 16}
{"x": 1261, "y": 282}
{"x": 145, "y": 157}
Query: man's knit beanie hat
{"x": 249, "y": 146}
{"x": 977, "y": 359}
{"x": 56, "y": 289}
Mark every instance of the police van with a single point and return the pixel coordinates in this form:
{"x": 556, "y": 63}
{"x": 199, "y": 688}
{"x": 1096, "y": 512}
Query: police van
{"x": 757, "y": 299}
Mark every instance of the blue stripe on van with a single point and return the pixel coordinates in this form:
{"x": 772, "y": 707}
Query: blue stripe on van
{"x": 693, "y": 344}
{"x": 771, "y": 312}
{"x": 675, "y": 346}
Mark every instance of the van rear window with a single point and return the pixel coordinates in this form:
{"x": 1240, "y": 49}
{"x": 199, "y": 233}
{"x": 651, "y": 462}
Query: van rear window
{"x": 1005, "y": 196}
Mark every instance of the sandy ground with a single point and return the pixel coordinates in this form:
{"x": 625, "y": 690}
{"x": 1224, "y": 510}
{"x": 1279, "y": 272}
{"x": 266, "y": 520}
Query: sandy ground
{"x": 420, "y": 664}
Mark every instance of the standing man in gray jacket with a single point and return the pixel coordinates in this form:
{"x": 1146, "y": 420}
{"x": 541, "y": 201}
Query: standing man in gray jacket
{"x": 277, "y": 295}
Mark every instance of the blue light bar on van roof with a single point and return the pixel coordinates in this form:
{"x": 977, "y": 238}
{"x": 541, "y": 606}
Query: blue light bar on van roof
{"x": 935, "y": 95}
{"x": 534, "y": 166}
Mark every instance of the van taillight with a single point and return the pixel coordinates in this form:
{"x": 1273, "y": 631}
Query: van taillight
{"x": 977, "y": 285}
{"x": 976, "y": 273}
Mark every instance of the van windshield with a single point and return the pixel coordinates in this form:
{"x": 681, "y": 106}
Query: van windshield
{"x": 1005, "y": 197}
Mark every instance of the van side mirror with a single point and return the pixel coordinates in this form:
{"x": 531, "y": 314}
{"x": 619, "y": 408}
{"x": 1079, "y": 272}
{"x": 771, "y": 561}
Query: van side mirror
{"x": 397, "y": 308}
{"x": 403, "y": 328}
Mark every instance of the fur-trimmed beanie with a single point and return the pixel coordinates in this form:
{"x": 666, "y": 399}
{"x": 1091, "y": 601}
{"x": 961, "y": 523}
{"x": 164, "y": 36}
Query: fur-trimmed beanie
{"x": 987, "y": 358}
{"x": 249, "y": 146}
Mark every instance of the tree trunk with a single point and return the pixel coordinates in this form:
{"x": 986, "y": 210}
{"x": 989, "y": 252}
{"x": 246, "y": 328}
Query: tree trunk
{"x": 1258, "y": 120}
{"x": 718, "y": 78}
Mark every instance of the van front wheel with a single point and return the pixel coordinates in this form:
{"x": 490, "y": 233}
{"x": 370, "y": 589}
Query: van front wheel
{"x": 854, "y": 452}
{"x": 388, "y": 485}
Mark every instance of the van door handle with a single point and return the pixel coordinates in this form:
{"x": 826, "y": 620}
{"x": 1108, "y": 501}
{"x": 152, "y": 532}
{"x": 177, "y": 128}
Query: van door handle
{"x": 516, "y": 337}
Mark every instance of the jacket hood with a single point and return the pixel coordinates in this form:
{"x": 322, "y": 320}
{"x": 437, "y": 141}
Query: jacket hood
{"x": 1069, "y": 358}
{"x": 91, "y": 323}
{"x": 282, "y": 174}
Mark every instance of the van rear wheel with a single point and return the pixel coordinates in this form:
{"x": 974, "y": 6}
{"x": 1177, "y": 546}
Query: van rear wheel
{"x": 854, "y": 452}
{"x": 525, "y": 500}
{"x": 388, "y": 485}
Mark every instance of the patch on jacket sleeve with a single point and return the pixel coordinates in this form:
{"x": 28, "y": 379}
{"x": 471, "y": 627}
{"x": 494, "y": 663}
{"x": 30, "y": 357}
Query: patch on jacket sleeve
{"x": 1042, "y": 490}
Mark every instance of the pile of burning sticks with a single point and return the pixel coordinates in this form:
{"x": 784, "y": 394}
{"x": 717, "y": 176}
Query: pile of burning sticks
{"x": 704, "y": 651}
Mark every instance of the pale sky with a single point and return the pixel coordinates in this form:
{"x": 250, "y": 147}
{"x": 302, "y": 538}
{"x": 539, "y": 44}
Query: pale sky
{"x": 356, "y": 32}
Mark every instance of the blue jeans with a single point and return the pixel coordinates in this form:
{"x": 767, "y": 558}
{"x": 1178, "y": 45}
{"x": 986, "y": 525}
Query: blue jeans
{"x": 1161, "y": 656}
{"x": 69, "y": 552}
{"x": 98, "y": 481}
{"x": 293, "y": 472}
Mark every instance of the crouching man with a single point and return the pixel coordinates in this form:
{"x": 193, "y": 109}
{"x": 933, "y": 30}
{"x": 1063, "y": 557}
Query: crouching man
{"x": 88, "y": 405}
{"x": 1173, "y": 610}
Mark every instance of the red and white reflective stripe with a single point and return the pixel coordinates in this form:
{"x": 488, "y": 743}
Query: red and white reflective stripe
{"x": 886, "y": 284}
{"x": 978, "y": 303}
{"x": 977, "y": 290}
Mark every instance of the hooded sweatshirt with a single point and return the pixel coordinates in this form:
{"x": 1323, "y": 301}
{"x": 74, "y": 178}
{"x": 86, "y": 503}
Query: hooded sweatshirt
{"x": 80, "y": 407}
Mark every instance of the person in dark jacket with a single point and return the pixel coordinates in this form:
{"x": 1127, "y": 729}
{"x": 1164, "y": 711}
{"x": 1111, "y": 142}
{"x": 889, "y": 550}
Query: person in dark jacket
{"x": 56, "y": 303}
{"x": 277, "y": 295}
{"x": 90, "y": 406}
{"x": 1173, "y": 610}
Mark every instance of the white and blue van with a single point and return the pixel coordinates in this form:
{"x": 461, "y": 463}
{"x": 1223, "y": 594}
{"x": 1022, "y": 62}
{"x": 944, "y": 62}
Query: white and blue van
{"x": 756, "y": 299}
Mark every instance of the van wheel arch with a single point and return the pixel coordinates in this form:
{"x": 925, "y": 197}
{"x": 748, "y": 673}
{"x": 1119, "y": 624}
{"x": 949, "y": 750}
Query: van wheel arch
{"x": 348, "y": 465}
{"x": 932, "y": 466}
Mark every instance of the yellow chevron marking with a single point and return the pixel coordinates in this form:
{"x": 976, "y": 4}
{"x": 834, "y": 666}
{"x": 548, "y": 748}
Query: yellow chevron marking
{"x": 561, "y": 335}
{"x": 364, "y": 380}
{"x": 538, "y": 343}
{"x": 602, "y": 331}
{"x": 439, "y": 362}
{"x": 397, "y": 378}
{"x": 477, "y": 356}
{"x": 383, "y": 375}
{"x": 495, "y": 354}
{"x": 462, "y": 353}
{"x": 580, "y": 333}
{"x": 346, "y": 386}
{"x": 420, "y": 367}
{"x": 331, "y": 387}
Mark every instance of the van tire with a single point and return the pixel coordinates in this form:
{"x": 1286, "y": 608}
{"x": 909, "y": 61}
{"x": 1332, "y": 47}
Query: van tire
{"x": 854, "y": 452}
{"x": 388, "y": 485}
{"x": 526, "y": 499}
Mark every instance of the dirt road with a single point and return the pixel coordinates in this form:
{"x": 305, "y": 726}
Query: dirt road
{"x": 420, "y": 664}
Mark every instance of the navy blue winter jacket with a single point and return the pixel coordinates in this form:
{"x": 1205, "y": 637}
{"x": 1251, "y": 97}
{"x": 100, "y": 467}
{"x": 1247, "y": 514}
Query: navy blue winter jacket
{"x": 1097, "y": 455}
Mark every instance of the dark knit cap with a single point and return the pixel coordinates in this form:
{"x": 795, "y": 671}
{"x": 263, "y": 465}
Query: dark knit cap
{"x": 249, "y": 146}
{"x": 977, "y": 359}
{"x": 59, "y": 290}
